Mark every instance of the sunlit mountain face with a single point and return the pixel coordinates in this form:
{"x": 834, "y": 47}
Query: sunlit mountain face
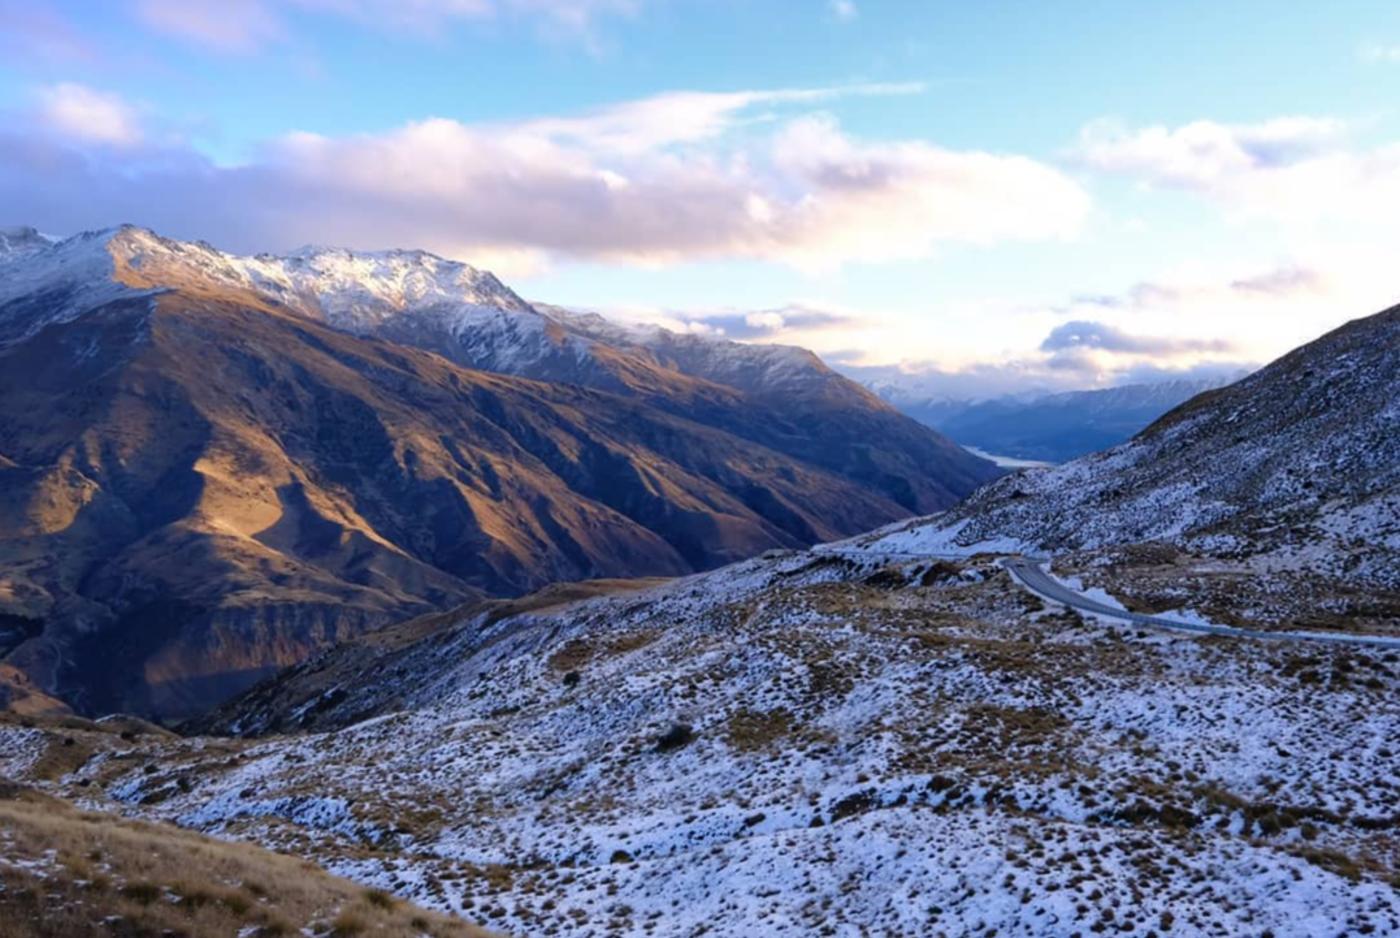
{"x": 332, "y": 441}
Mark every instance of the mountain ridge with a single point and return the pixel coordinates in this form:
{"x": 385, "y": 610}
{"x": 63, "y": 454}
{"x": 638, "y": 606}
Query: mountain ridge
{"x": 204, "y": 480}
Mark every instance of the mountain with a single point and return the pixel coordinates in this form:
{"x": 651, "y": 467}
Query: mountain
{"x": 212, "y": 466}
{"x": 887, "y": 734}
{"x": 1290, "y": 476}
{"x": 1050, "y": 427}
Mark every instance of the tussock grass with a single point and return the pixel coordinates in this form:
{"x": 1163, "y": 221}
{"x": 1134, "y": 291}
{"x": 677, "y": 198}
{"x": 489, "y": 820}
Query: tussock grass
{"x": 750, "y": 730}
{"x": 66, "y": 873}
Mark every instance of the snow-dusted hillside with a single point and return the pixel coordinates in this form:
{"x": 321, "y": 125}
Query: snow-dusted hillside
{"x": 811, "y": 744}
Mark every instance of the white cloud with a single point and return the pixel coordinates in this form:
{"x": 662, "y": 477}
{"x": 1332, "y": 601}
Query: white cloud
{"x": 1301, "y": 171}
{"x": 676, "y": 177}
{"x": 844, "y": 10}
{"x": 863, "y": 201}
{"x": 680, "y": 117}
{"x": 247, "y": 25}
{"x": 222, "y": 25}
{"x": 1202, "y": 154}
{"x": 1082, "y": 334}
{"x": 1379, "y": 52}
{"x": 84, "y": 114}
{"x": 1286, "y": 281}
{"x": 769, "y": 320}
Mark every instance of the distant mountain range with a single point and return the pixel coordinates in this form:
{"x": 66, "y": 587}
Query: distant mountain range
{"x": 1295, "y": 468}
{"x": 212, "y": 466}
{"x": 1048, "y": 427}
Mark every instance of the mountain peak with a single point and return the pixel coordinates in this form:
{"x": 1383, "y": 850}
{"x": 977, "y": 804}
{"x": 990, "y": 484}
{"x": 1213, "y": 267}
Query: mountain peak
{"x": 353, "y": 290}
{"x": 22, "y": 239}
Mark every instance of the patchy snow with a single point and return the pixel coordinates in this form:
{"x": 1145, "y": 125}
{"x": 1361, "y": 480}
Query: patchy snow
{"x": 20, "y": 748}
{"x": 938, "y": 536}
{"x": 866, "y": 752}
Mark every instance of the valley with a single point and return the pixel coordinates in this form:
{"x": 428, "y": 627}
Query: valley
{"x": 997, "y": 718}
{"x": 1148, "y": 690}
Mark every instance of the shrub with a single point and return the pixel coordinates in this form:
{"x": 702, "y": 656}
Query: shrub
{"x": 680, "y": 734}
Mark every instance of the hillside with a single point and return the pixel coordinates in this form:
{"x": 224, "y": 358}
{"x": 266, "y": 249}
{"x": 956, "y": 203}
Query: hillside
{"x": 201, "y": 481}
{"x": 70, "y": 874}
{"x": 888, "y": 733}
{"x": 1294, "y": 469}
{"x": 815, "y": 742}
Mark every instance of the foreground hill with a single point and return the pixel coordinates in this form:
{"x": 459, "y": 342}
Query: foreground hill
{"x": 71, "y": 874}
{"x": 816, "y": 742}
{"x": 202, "y": 481}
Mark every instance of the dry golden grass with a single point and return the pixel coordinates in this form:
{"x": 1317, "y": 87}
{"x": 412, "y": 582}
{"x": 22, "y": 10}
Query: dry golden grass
{"x": 577, "y": 652}
{"x": 65, "y": 873}
{"x": 750, "y": 730}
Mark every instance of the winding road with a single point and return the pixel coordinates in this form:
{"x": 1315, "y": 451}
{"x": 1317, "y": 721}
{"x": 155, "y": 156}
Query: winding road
{"x": 1031, "y": 574}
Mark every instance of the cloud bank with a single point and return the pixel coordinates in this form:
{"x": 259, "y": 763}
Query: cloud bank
{"x": 670, "y": 178}
{"x": 1299, "y": 171}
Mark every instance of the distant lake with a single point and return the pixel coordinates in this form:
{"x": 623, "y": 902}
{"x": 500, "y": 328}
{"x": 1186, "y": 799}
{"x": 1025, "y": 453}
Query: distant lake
{"x": 1008, "y": 462}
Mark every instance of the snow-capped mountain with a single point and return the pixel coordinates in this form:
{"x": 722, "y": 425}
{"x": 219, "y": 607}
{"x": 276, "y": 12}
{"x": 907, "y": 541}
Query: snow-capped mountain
{"x": 18, "y": 241}
{"x": 412, "y": 296}
{"x": 245, "y": 459}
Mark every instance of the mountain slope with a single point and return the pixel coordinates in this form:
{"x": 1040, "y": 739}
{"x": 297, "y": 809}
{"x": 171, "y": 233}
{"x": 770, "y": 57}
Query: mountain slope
{"x": 200, "y": 482}
{"x": 855, "y": 743}
{"x": 1296, "y": 467}
{"x": 780, "y": 397}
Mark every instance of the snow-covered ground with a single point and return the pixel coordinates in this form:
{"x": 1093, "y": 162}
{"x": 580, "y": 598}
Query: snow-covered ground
{"x": 872, "y": 745}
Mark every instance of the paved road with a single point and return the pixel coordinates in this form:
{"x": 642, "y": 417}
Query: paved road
{"x": 1031, "y": 574}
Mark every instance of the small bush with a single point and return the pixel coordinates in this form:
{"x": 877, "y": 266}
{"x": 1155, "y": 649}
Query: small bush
{"x": 142, "y": 892}
{"x": 680, "y": 734}
{"x": 380, "y": 899}
{"x": 348, "y": 923}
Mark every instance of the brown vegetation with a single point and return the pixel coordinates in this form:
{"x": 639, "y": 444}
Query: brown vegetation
{"x": 65, "y": 874}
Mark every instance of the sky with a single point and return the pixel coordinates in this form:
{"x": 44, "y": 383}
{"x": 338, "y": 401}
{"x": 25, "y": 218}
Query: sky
{"x": 968, "y": 198}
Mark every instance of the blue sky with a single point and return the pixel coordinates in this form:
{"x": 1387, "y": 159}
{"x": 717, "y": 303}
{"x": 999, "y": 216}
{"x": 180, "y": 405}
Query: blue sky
{"x": 933, "y": 190}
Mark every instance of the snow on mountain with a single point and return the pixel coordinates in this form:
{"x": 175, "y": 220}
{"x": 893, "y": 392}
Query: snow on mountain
{"x": 43, "y": 282}
{"x": 807, "y": 743}
{"x": 410, "y": 296}
{"x": 1295, "y": 467}
{"x": 22, "y": 240}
